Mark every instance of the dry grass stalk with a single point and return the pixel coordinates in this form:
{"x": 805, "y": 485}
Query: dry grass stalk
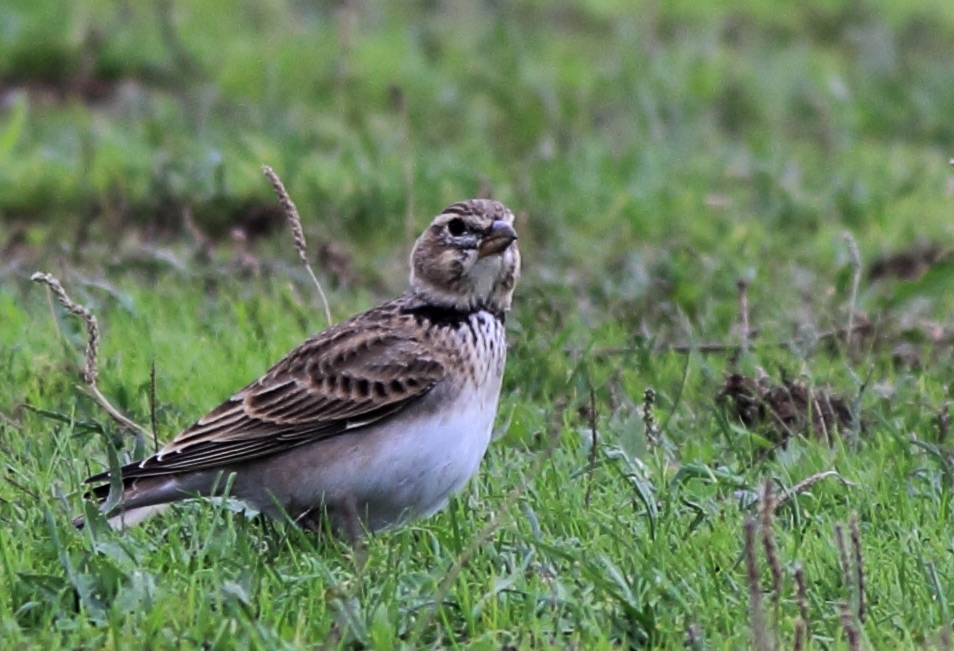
{"x": 943, "y": 422}
{"x": 649, "y": 419}
{"x": 801, "y": 595}
{"x": 768, "y": 540}
{"x": 761, "y": 639}
{"x": 593, "y": 447}
{"x": 849, "y": 623}
{"x": 801, "y": 633}
{"x": 802, "y": 625}
{"x": 294, "y": 220}
{"x": 852, "y": 634}
{"x": 859, "y": 567}
{"x": 807, "y": 483}
{"x": 821, "y": 421}
{"x": 843, "y": 557}
{"x": 743, "y": 286}
{"x": 152, "y": 405}
{"x": 90, "y": 372}
{"x": 855, "y": 261}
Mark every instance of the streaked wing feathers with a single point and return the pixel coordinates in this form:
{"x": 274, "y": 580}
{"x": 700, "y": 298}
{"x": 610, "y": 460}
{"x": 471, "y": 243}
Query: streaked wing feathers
{"x": 347, "y": 377}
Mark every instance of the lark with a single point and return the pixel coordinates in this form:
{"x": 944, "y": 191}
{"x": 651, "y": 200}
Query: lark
{"x": 376, "y": 420}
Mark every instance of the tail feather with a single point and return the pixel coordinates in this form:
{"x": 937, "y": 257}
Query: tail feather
{"x": 142, "y": 498}
{"x": 131, "y": 517}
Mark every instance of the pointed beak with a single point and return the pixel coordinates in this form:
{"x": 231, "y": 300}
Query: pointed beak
{"x": 496, "y": 239}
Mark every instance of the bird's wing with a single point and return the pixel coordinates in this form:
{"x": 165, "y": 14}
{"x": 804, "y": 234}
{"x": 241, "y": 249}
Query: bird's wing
{"x": 341, "y": 380}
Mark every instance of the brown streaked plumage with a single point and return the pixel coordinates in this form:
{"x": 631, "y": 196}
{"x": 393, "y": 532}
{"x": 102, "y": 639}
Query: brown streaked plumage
{"x": 378, "y": 418}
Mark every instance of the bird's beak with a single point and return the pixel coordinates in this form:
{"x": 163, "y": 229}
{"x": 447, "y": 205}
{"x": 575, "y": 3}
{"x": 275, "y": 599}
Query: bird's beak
{"x": 497, "y": 238}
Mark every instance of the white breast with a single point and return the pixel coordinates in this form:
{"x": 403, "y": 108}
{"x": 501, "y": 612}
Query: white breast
{"x": 434, "y": 456}
{"x": 439, "y": 447}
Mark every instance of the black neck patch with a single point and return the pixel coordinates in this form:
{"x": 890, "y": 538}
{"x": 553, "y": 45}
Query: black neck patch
{"x": 443, "y": 315}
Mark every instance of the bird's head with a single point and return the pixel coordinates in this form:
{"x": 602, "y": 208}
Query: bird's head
{"x": 468, "y": 257}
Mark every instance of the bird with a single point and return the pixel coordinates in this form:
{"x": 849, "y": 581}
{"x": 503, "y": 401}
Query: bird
{"x": 371, "y": 423}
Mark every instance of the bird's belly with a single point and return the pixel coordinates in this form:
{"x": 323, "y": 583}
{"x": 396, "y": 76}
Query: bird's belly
{"x": 395, "y": 471}
{"x": 430, "y": 461}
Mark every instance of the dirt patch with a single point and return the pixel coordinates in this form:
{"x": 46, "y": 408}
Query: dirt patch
{"x": 783, "y": 410}
{"x": 908, "y": 264}
{"x": 164, "y": 216}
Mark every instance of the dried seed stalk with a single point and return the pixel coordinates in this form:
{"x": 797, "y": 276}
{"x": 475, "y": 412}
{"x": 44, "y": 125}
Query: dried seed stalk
{"x": 768, "y": 540}
{"x": 801, "y": 595}
{"x": 801, "y": 634}
{"x": 843, "y": 557}
{"x": 298, "y": 234}
{"x": 859, "y": 567}
{"x": 854, "y": 254}
{"x": 649, "y": 419}
{"x": 90, "y": 372}
{"x": 761, "y": 639}
{"x": 852, "y": 633}
{"x": 743, "y": 286}
{"x": 807, "y": 483}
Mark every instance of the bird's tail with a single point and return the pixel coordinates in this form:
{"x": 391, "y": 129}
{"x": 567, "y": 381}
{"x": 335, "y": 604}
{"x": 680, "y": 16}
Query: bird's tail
{"x": 126, "y": 518}
{"x": 142, "y": 497}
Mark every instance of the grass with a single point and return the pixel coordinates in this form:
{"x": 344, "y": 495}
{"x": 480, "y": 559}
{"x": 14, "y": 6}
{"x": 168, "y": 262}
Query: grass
{"x": 655, "y": 156}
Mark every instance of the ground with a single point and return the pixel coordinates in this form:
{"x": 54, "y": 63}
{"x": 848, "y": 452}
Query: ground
{"x": 745, "y": 207}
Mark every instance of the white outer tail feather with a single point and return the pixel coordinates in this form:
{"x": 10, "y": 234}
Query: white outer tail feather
{"x": 132, "y": 517}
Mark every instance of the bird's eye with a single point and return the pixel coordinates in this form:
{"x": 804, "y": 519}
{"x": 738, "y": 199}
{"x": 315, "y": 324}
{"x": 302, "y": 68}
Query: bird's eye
{"x": 456, "y": 227}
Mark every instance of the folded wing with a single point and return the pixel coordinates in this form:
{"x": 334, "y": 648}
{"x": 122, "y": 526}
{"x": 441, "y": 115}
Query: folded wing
{"x": 338, "y": 381}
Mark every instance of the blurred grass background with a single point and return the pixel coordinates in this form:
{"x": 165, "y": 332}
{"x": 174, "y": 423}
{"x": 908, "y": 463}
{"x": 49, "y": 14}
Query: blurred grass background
{"x": 595, "y": 115}
{"x": 655, "y": 152}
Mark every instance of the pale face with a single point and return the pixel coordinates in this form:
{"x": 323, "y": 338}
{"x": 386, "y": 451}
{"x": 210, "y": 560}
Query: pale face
{"x": 468, "y": 256}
